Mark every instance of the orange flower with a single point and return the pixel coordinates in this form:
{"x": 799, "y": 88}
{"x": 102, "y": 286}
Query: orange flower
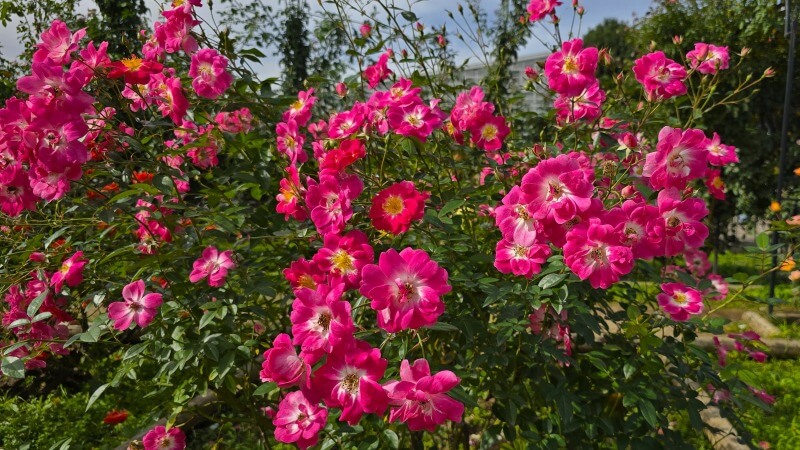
{"x": 795, "y": 275}
{"x": 142, "y": 177}
{"x": 797, "y": 171}
{"x": 774, "y": 206}
{"x": 788, "y": 264}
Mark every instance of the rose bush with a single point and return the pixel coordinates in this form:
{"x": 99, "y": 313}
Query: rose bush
{"x": 411, "y": 256}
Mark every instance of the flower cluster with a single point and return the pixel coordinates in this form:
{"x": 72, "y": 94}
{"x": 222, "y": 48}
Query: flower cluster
{"x": 404, "y": 287}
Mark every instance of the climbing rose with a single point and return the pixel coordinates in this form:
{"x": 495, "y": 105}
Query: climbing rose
{"x": 283, "y": 366}
{"x": 395, "y": 208}
{"x": 680, "y": 301}
{"x": 71, "y": 272}
{"x": 160, "y": 439}
{"x": 349, "y": 380}
{"x": 523, "y": 258}
{"x": 680, "y": 157}
{"x": 321, "y": 320}
{"x": 209, "y": 70}
{"x": 539, "y": 9}
{"x": 134, "y": 70}
{"x": 379, "y": 71}
{"x": 214, "y": 265}
{"x": 661, "y": 77}
{"x": 299, "y": 421}
{"x": 571, "y": 70}
{"x": 593, "y": 251}
{"x": 405, "y": 289}
{"x": 420, "y": 399}
{"x": 342, "y": 257}
{"x": 139, "y": 306}
{"x": 707, "y": 58}
{"x": 557, "y": 188}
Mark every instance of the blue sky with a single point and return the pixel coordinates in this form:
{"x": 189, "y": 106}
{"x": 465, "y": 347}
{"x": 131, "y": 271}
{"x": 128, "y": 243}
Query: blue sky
{"x": 430, "y": 13}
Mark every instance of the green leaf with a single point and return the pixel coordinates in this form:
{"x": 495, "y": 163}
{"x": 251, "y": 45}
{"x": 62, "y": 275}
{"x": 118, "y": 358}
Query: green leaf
{"x": 13, "y": 367}
{"x": 33, "y": 308}
{"x": 409, "y": 16}
{"x": 551, "y": 280}
{"x": 450, "y": 206}
{"x": 391, "y": 436}
{"x": 762, "y": 241}
{"x": 54, "y": 236}
{"x": 266, "y": 388}
{"x": 206, "y": 319}
{"x": 97, "y": 393}
{"x": 442, "y": 326}
{"x": 164, "y": 183}
{"x": 628, "y": 370}
{"x": 649, "y": 413}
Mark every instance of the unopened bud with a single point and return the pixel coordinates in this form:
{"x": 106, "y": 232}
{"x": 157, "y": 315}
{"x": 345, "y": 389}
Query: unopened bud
{"x": 341, "y": 90}
{"x": 531, "y": 73}
{"x": 365, "y": 30}
{"x": 539, "y": 150}
{"x": 580, "y": 10}
{"x": 419, "y": 26}
{"x": 628, "y": 192}
{"x": 404, "y": 53}
{"x": 744, "y": 52}
{"x": 604, "y": 56}
{"x": 460, "y": 9}
{"x": 677, "y": 39}
{"x": 555, "y": 18}
{"x": 769, "y": 72}
{"x": 442, "y": 41}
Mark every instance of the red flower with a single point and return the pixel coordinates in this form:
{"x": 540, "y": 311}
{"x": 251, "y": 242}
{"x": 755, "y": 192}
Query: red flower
{"x": 134, "y": 69}
{"x": 114, "y": 417}
{"x": 396, "y": 207}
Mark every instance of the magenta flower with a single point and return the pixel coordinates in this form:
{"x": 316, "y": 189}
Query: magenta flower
{"x": 299, "y": 421}
{"x": 379, "y": 71}
{"x": 214, "y": 265}
{"x": 514, "y": 218}
{"x": 71, "y": 272}
{"x": 523, "y": 258}
{"x": 342, "y": 257}
{"x": 570, "y": 71}
{"x": 395, "y": 208}
{"x": 321, "y": 320}
{"x": 209, "y": 70}
{"x": 290, "y": 194}
{"x": 593, "y": 251}
{"x": 139, "y": 306}
{"x": 283, "y": 366}
{"x": 539, "y": 9}
{"x": 587, "y": 106}
{"x": 405, "y": 288}
{"x": 420, "y": 399}
{"x": 330, "y": 201}
{"x": 707, "y": 58}
{"x": 57, "y": 44}
{"x": 488, "y": 131}
{"x": 680, "y": 157}
{"x": 159, "y": 438}
{"x": 679, "y": 225}
{"x": 661, "y": 77}
{"x": 720, "y": 154}
{"x": 631, "y": 222}
{"x": 680, "y": 301}
{"x": 300, "y": 110}
{"x": 349, "y": 379}
{"x": 558, "y": 189}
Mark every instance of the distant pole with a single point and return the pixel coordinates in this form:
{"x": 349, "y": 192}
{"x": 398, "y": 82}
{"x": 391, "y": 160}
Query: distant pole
{"x": 790, "y": 29}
